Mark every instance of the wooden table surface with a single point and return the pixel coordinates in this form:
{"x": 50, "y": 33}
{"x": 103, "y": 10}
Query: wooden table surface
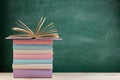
{"x": 68, "y": 76}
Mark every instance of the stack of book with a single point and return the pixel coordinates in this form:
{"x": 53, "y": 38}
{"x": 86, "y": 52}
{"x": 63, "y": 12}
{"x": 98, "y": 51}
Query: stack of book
{"x": 32, "y": 58}
{"x": 32, "y": 50}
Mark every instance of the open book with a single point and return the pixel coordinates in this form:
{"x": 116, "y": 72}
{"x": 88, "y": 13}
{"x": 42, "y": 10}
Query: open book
{"x": 41, "y": 32}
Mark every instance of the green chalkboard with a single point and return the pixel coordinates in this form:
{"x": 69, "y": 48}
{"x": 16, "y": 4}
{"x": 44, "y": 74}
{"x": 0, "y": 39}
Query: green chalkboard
{"x": 90, "y": 30}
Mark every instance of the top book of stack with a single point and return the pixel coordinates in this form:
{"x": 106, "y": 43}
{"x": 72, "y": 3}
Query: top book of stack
{"x": 41, "y": 33}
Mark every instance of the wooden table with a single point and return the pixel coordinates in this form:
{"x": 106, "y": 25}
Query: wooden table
{"x": 68, "y": 76}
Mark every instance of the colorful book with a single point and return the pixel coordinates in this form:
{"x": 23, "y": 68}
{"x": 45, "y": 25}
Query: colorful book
{"x": 32, "y": 41}
{"x": 33, "y": 51}
{"x": 32, "y": 61}
{"x": 31, "y": 47}
{"x": 33, "y": 56}
{"x": 20, "y": 73}
{"x": 32, "y": 66}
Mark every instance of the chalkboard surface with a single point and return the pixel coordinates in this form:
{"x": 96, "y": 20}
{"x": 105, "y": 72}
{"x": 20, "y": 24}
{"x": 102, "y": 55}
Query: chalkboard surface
{"x": 90, "y": 30}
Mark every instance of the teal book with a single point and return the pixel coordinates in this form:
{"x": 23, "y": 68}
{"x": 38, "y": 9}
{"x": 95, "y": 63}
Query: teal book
{"x": 31, "y": 47}
{"x": 32, "y": 61}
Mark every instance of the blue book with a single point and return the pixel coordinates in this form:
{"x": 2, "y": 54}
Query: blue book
{"x": 31, "y": 47}
{"x": 32, "y": 61}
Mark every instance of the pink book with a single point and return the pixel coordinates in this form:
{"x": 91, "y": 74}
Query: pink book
{"x": 19, "y": 73}
{"x": 15, "y": 41}
{"x": 33, "y": 56}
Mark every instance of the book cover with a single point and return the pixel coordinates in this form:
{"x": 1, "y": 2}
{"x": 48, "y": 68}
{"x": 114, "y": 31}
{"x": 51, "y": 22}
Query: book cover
{"x": 32, "y": 66}
{"x": 33, "y": 56}
{"x": 28, "y": 73}
{"x": 33, "y": 51}
{"x": 32, "y": 46}
{"x": 33, "y": 41}
{"x": 32, "y": 61}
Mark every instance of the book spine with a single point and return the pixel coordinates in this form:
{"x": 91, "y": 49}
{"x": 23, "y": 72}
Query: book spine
{"x": 32, "y": 42}
{"x": 33, "y": 51}
{"x": 33, "y": 56}
{"x": 32, "y": 66}
{"x": 20, "y": 73}
{"x": 31, "y": 47}
{"x": 32, "y": 61}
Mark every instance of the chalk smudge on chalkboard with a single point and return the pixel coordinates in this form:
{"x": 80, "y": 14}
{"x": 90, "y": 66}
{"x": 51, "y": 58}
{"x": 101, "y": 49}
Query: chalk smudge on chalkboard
{"x": 108, "y": 35}
{"x": 81, "y": 39}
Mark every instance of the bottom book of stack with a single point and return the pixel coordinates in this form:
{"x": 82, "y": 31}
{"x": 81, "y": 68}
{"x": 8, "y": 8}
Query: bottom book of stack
{"x": 32, "y": 73}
